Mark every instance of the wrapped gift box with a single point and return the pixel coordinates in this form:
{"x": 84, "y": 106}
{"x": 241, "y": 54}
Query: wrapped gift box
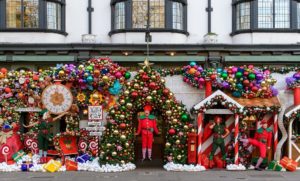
{"x": 25, "y": 166}
{"x": 18, "y": 156}
{"x": 83, "y": 158}
{"x": 52, "y": 166}
{"x": 289, "y": 164}
{"x": 274, "y": 165}
{"x": 71, "y": 165}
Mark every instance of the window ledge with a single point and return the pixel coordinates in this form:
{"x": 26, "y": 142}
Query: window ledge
{"x": 265, "y": 31}
{"x": 34, "y": 30}
{"x": 151, "y": 30}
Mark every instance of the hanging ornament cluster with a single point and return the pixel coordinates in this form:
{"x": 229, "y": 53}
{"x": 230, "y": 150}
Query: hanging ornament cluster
{"x": 147, "y": 88}
{"x": 195, "y": 75}
{"x": 293, "y": 81}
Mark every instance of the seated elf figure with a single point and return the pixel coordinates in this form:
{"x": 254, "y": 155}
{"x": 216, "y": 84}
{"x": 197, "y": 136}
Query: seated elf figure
{"x": 146, "y": 126}
{"x": 262, "y": 140}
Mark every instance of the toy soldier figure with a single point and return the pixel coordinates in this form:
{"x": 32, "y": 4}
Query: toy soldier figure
{"x": 147, "y": 125}
{"x": 219, "y": 134}
{"x": 262, "y": 140}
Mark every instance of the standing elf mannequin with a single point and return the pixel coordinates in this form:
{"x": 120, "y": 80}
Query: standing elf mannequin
{"x": 147, "y": 125}
{"x": 219, "y": 134}
{"x": 262, "y": 140}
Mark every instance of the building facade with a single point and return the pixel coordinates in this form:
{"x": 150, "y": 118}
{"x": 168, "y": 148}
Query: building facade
{"x": 39, "y": 33}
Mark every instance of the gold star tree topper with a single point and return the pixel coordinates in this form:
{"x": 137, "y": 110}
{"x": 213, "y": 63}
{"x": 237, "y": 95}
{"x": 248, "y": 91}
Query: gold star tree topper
{"x": 146, "y": 64}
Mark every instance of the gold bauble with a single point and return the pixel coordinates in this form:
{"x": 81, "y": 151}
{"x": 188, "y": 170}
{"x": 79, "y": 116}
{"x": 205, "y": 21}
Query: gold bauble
{"x": 177, "y": 142}
{"x": 85, "y": 74}
{"x": 136, "y": 86}
{"x": 168, "y": 101}
{"x": 179, "y": 157}
{"x": 122, "y": 101}
{"x": 269, "y": 81}
{"x": 126, "y": 92}
{"x": 175, "y": 121}
{"x": 129, "y": 105}
{"x": 114, "y": 153}
{"x": 148, "y": 98}
{"x": 108, "y": 145}
{"x": 122, "y": 116}
{"x": 162, "y": 80}
{"x": 169, "y": 113}
{"x": 141, "y": 71}
{"x": 122, "y": 162}
{"x": 126, "y": 145}
{"x": 263, "y": 83}
{"x": 274, "y": 81}
{"x": 123, "y": 137}
{"x": 154, "y": 92}
{"x": 61, "y": 73}
{"x": 193, "y": 130}
{"x": 153, "y": 77}
{"x": 95, "y": 96}
{"x": 116, "y": 132}
{"x": 105, "y": 78}
{"x": 171, "y": 94}
{"x": 168, "y": 145}
{"x": 185, "y": 127}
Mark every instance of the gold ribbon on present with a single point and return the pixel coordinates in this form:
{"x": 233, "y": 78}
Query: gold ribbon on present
{"x": 4, "y": 136}
{"x": 18, "y": 155}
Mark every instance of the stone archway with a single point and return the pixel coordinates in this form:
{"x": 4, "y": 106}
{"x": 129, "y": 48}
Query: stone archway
{"x": 146, "y": 88}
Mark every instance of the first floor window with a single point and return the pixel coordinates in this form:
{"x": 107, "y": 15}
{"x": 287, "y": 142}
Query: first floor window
{"x": 177, "y": 15}
{"x": 22, "y": 13}
{"x": 119, "y": 21}
{"x": 53, "y": 15}
{"x": 243, "y": 16}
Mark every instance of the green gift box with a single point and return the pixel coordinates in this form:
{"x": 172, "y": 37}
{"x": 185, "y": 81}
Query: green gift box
{"x": 17, "y": 156}
{"x": 274, "y": 165}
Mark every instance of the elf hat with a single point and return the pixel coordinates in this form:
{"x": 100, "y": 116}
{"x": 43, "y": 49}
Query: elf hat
{"x": 217, "y": 118}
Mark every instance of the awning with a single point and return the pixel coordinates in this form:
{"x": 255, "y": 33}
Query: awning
{"x": 43, "y": 58}
{"x": 2, "y": 58}
{"x": 158, "y": 58}
{"x": 265, "y": 59}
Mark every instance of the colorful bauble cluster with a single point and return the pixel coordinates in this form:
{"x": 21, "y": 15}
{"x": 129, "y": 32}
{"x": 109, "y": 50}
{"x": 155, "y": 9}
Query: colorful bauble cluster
{"x": 147, "y": 88}
{"x": 246, "y": 81}
{"x": 293, "y": 81}
{"x": 195, "y": 75}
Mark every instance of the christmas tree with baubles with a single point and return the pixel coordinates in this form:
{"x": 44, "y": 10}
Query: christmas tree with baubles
{"x": 147, "y": 88}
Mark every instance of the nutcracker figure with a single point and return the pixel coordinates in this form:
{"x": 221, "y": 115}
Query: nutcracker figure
{"x": 147, "y": 125}
{"x": 262, "y": 140}
{"x": 220, "y": 132}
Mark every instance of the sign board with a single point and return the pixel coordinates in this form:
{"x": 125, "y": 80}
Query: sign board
{"x": 95, "y": 113}
{"x": 95, "y": 133}
{"x": 95, "y": 123}
{"x": 28, "y": 109}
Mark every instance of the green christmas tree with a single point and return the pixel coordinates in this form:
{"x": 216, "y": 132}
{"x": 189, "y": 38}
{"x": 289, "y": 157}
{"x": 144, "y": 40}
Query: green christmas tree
{"x": 147, "y": 88}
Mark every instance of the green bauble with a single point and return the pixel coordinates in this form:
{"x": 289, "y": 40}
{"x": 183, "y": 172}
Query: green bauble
{"x": 224, "y": 76}
{"x": 89, "y": 68}
{"x": 251, "y": 76}
{"x": 184, "y": 117}
{"x": 127, "y": 75}
{"x": 238, "y": 75}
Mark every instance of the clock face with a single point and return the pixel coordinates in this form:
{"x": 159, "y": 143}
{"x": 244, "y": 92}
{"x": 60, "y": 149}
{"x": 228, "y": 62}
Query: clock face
{"x": 57, "y": 98}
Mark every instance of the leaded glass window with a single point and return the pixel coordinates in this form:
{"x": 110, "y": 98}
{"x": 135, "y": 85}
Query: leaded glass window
{"x": 119, "y": 21}
{"x": 177, "y": 15}
{"x": 243, "y": 16}
{"x": 53, "y": 15}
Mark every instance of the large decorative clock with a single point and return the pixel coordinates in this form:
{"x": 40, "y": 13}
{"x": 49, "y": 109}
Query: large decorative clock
{"x": 57, "y": 98}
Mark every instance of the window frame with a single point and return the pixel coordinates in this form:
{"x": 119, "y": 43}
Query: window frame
{"x": 42, "y": 15}
{"x": 254, "y": 19}
{"x": 168, "y": 18}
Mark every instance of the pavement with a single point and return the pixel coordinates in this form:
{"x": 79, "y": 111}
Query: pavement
{"x": 153, "y": 174}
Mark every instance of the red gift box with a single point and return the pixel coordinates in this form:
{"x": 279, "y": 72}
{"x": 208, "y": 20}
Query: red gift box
{"x": 71, "y": 165}
{"x": 219, "y": 163}
{"x": 289, "y": 164}
{"x": 205, "y": 161}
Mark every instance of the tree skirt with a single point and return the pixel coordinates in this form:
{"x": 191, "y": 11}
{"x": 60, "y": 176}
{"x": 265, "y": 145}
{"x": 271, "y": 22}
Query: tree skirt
{"x": 235, "y": 167}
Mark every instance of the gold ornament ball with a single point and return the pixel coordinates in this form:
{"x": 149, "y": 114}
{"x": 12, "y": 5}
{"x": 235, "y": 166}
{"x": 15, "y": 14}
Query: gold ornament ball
{"x": 122, "y": 162}
{"x": 136, "y": 86}
{"x": 108, "y": 145}
{"x": 269, "y": 81}
{"x": 185, "y": 127}
{"x": 141, "y": 71}
{"x": 177, "y": 142}
{"x": 114, "y": 153}
{"x": 126, "y": 145}
{"x": 123, "y": 137}
{"x": 179, "y": 157}
{"x": 122, "y": 101}
{"x": 95, "y": 96}
{"x": 129, "y": 105}
{"x": 171, "y": 94}
{"x": 175, "y": 121}
{"x": 162, "y": 80}
{"x": 105, "y": 78}
{"x": 168, "y": 113}
{"x": 116, "y": 132}
{"x": 263, "y": 83}
{"x": 153, "y": 77}
{"x": 168, "y": 145}
{"x": 122, "y": 116}
{"x": 168, "y": 102}
{"x": 193, "y": 130}
{"x": 148, "y": 98}
{"x": 126, "y": 92}
{"x": 61, "y": 73}
{"x": 85, "y": 74}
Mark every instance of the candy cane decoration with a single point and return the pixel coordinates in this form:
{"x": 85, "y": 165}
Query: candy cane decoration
{"x": 94, "y": 146}
{"x": 236, "y": 143}
{"x": 200, "y": 130}
{"x": 82, "y": 145}
{"x": 275, "y": 132}
{"x": 5, "y": 151}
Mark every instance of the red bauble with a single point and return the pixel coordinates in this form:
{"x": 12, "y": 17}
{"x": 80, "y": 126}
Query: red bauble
{"x": 3, "y": 70}
{"x": 172, "y": 131}
{"x": 166, "y": 91}
{"x": 152, "y": 85}
{"x": 213, "y": 76}
{"x": 134, "y": 94}
{"x": 122, "y": 125}
{"x": 254, "y": 89}
{"x": 145, "y": 77}
{"x": 246, "y": 82}
{"x": 35, "y": 77}
{"x": 7, "y": 90}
